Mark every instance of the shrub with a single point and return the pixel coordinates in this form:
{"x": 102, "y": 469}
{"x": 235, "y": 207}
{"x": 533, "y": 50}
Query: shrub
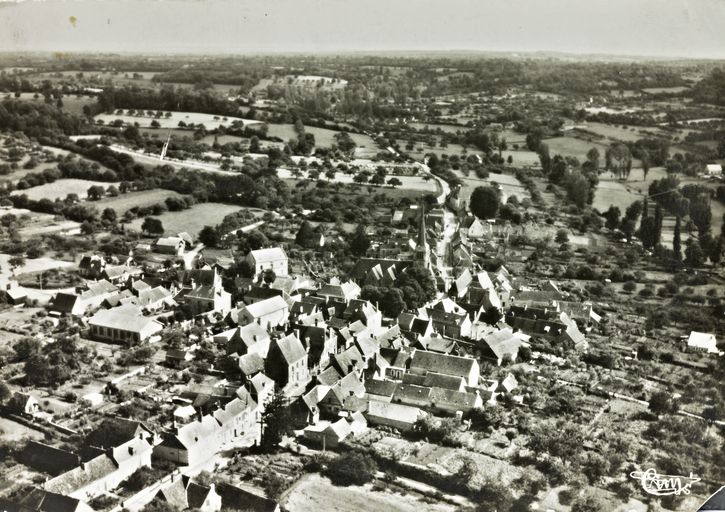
{"x": 351, "y": 468}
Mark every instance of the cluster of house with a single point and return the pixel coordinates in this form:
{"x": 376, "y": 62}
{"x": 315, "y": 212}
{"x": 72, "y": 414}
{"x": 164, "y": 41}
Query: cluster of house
{"x": 340, "y": 364}
{"x": 110, "y": 454}
{"x": 120, "y": 304}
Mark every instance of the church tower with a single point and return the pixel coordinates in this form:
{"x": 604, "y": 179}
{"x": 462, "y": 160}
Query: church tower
{"x": 422, "y": 249}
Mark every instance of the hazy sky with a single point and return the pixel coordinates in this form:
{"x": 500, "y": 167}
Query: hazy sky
{"x": 688, "y": 28}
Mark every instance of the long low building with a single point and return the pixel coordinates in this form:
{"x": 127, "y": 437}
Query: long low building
{"x": 124, "y": 324}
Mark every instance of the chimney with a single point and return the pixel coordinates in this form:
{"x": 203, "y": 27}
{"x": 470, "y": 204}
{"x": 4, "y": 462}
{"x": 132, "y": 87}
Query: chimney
{"x": 130, "y": 450}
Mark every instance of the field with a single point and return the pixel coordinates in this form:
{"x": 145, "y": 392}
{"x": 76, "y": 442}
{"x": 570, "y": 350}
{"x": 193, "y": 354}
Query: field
{"x": 323, "y": 137}
{"x": 611, "y": 192}
{"x": 510, "y": 186}
{"x": 71, "y": 103}
{"x": 209, "y": 121}
{"x": 192, "y": 220}
{"x": 314, "y": 493}
{"x": 570, "y": 146}
{"x": 61, "y": 188}
{"x": 141, "y": 198}
{"x": 619, "y": 133}
{"x": 13, "y": 431}
{"x": 448, "y": 128}
{"x": 414, "y": 183}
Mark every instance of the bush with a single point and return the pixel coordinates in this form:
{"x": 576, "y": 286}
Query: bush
{"x": 351, "y": 468}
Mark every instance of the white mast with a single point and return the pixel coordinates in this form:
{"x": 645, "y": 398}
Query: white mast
{"x": 166, "y": 147}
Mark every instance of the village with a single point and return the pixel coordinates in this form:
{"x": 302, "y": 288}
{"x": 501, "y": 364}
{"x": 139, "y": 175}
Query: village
{"x": 363, "y": 283}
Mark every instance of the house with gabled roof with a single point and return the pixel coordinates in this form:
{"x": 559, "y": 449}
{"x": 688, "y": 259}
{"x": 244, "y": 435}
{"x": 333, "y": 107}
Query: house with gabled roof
{"x": 338, "y": 291}
{"x": 273, "y": 258}
{"x": 702, "y": 342}
{"x": 328, "y": 434}
{"x": 116, "y": 431}
{"x": 423, "y": 362}
{"x": 47, "y": 459}
{"x": 23, "y": 403}
{"x": 437, "y": 343}
{"x": 499, "y": 345}
{"x": 172, "y": 245}
{"x": 104, "y": 472}
{"x": 269, "y": 313}
{"x": 238, "y": 417}
{"x": 191, "y": 444}
{"x": 235, "y": 497}
{"x": 39, "y": 500}
{"x": 287, "y": 362}
{"x": 348, "y": 361}
{"x": 394, "y": 415}
{"x": 331, "y": 403}
{"x": 247, "y": 339}
{"x": 377, "y": 271}
{"x": 261, "y": 389}
{"x": 91, "y": 266}
{"x": 203, "y": 292}
{"x": 184, "y": 494}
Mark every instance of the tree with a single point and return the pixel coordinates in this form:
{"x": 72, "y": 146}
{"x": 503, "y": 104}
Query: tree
{"x": 95, "y": 192}
{"x": 351, "y": 468}
{"x": 16, "y": 261}
{"x": 112, "y": 191}
{"x": 612, "y": 218}
{"x": 392, "y": 303}
{"x": 394, "y": 182}
{"x": 275, "y": 419}
{"x": 659, "y": 217}
{"x": 418, "y": 286}
{"x": 646, "y": 163}
{"x": 694, "y": 255}
{"x": 620, "y": 160}
{"x": 562, "y": 236}
{"x": 269, "y": 276}
{"x": 360, "y": 242}
{"x": 647, "y": 232}
{"x": 661, "y": 402}
{"x": 345, "y": 143}
{"x": 485, "y": 202}
{"x": 494, "y": 495}
{"x": 593, "y": 157}
{"x": 209, "y": 236}
{"x": 5, "y": 393}
{"x": 306, "y": 236}
{"x": 676, "y": 242}
{"x": 152, "y": 226}
{"x": 589, "y": 502}
{"x": 109, "y": 216}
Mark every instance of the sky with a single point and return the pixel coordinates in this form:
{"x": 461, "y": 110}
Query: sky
{"x": 658, "y": 28}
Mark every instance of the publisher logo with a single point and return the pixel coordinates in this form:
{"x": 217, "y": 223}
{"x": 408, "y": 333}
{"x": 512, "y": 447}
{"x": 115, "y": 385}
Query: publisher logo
{"x": 664, "y": 485}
